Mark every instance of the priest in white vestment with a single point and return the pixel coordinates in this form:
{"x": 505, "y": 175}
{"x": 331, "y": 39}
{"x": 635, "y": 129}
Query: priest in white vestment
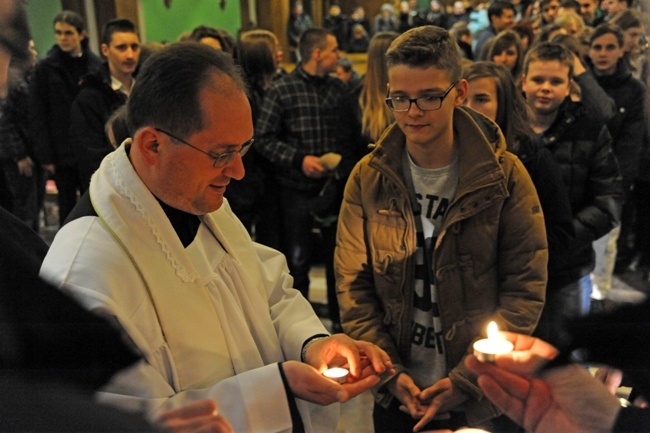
{"x": 154, "y": 247}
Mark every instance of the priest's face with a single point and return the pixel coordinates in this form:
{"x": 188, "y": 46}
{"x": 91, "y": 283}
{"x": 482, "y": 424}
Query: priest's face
{"x": 187, "y": 177}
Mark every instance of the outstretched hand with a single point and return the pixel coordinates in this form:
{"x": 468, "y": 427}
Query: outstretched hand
{"x": 565, "y": 399}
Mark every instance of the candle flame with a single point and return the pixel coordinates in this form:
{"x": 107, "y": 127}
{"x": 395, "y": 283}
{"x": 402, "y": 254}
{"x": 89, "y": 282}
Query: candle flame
{"x": 493, "y": 331}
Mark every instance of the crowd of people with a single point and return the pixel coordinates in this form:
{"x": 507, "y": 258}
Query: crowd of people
{"x": 488, "y": 166}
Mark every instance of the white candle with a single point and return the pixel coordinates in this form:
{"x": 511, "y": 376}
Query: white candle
{"x": 486, "y": 349}
{"x": 337, "y": 374}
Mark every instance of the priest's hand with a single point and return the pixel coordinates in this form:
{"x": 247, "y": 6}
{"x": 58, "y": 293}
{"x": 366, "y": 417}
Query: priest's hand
{"x": 309, "y": 384}
{"x": 339, "y": 350}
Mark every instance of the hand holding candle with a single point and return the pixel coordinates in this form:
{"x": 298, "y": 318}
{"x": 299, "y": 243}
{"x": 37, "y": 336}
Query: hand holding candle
{"x": 337, "y": 374}
{"x": 486, "y": 349}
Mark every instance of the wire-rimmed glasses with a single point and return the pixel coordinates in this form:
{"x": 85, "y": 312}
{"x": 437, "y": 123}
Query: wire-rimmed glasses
{"x": 220, "y": 159}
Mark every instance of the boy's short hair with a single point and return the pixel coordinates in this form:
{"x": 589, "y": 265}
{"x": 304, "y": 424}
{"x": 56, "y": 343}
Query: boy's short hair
{"x": 571, "y": 4}
{"x": 71, "y": 18}
{"x": 549, "y": 51}
{"x": 628, "y": 19}
{"x": 426, "y": 46}
{"x": 117, "y": 25}
{"x": 497, "y": 7}
{"x": 608, "y": 28}
{"x": 545, "y": 2}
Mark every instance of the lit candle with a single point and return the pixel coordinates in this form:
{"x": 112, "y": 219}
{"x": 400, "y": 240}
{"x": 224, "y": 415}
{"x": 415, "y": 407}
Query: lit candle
{"x": 337, "y": 374}
{"x": 486, "y": 349}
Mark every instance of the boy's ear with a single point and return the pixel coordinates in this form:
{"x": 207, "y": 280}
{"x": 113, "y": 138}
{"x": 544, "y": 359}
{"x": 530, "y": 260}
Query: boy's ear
{"x": 569, "y": 87}
{"x": 462, "y": 88}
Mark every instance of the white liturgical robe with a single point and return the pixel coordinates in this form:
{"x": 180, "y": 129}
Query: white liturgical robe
{"x": 211, "y": 320}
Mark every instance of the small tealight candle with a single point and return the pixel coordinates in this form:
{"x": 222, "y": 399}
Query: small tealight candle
{"x": 337, "y": 374}
{"x": 486, "y": 349}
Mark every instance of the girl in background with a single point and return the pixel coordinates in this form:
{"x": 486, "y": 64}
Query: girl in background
{"x": 505, "y": 48}
{"x": 632, "y": 23}
{"x": 368, "y": 100}
{"x": 493, "y": 93}
{"x": 259, "y": 56}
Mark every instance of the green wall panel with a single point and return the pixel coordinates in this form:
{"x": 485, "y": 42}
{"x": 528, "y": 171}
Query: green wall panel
{"x": 40, "y": 14}
{"x": 166, "y": 24}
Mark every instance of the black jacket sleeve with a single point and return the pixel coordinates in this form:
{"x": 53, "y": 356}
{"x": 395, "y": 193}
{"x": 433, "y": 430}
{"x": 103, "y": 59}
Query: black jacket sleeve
{"x": 596, "y": 101}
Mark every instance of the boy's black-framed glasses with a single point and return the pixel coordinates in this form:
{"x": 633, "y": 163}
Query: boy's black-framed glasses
{"x": 402, "y": 104}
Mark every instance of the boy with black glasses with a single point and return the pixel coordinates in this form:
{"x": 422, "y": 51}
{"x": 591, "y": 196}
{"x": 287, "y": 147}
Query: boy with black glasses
{"x": 440, "y": 232}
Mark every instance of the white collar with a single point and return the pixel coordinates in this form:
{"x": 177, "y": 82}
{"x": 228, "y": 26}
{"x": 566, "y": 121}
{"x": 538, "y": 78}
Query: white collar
{"x": 119, "y": 87}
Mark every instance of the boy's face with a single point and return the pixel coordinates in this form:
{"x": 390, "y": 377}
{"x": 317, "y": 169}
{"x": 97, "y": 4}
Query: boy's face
{"x": 503, "y": 21}
{"x": 633, "y": 39}
{"x": 424, "y": 128}
{"x": 122, "y": 53}
{"x": 588, "y": 9}
{"x": 549, "y": 11}
{"x": 68, "y": 38}
{"x": 605, "y": 53}
{"x": 611, "y": 7}
{"x": 546, "y": 84}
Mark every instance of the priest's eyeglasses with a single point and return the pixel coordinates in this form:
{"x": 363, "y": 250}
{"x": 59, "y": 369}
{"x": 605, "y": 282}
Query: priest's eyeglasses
{"x": 402, "y": 104}
{"x": 219, "y": 159}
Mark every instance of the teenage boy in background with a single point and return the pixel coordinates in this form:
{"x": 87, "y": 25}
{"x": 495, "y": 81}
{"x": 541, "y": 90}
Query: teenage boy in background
{"x": 102, "y": 92}
{"x": 590, "y": 172}
{"x": 53, "y": 88}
